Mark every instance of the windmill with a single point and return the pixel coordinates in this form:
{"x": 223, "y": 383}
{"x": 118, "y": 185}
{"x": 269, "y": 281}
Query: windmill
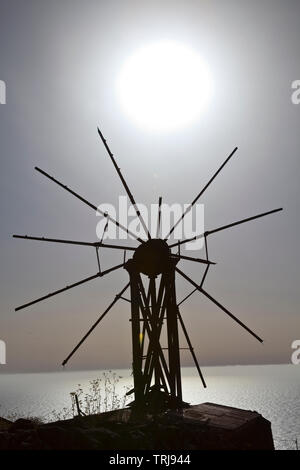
{"x": 154, "y": 307}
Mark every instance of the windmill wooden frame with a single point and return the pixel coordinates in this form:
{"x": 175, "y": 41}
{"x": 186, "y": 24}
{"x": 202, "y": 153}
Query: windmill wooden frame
{"x": 156, "y": 368}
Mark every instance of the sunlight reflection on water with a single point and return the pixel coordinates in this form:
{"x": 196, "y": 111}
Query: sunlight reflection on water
{"x": 272, "y": 390}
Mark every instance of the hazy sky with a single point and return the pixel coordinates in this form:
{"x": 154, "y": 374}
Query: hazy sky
{"x": 60, "y": 61}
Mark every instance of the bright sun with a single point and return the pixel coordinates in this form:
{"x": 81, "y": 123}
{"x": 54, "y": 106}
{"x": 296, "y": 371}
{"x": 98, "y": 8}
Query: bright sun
{"x": 164, "y": 86}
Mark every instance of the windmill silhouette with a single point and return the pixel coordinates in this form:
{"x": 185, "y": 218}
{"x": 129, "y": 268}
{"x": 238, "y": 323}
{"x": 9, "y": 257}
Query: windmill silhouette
{"x": 154, "y": 307}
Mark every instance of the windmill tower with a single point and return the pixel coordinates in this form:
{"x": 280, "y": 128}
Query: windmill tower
{"x": 154, "y": 306}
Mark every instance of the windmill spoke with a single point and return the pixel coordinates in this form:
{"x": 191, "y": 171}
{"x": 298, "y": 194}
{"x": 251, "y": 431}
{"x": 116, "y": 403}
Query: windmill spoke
{"x": 124, "y": 184}
{"x": 189, "y": 258}
{"x": 207, "y": 267}
{"x": 90, "y": 278}
{"x": 117, "y": 297}
{"x": 117, "y": 247}
{"x": 158, "y": 217}
{"x": 231, "y": 315}
{"x": 191, "y": 348}
{"x": 200, "y": 289}
{"x": 54, "y": 240}
{"x": 73, "y": 242}
{"x": 105, "y": 214}
{"x": 187, "y": 297}
{"x": 203, "y": 277}
{"x": 200, "y": 194}
{"x": 224, "y": 227}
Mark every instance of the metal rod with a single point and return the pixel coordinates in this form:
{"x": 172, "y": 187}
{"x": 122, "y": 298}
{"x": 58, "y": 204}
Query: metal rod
{"x": 231, "y": 315}
{"x": 209, "y": 232}
{"x": 155, "y": 328}
{"x": 152, "y": 342}
{"x": 117, "y": 297}
{"x": 201, "y": 192}
{"x": 118, "y": 247}
{"x": 73, "y": 242}
{"x": 70, "y": 287}
{"x": 137, "y": 363}
{"x": 90, "y": 205}
{"x": 148, "y": 368}
{"x": 224, "y": 227}
{"x": 159, "y": 217}
{"x": 105, "y": 229}
{"x": 219, "y": 305}
{"x": 54, "y": 240}
{"x": 189, "y": 258}
{"x": 98, "y": 259}
{"x": 191, "y": 348}
{"x": 187, "y": 297}
{"x": 172, "y": 336}
{"x": 124, "y": 184}
{"x": 203, "y": 277}
{"x": 97, "y": 247}
{"x": 207, "y": 267}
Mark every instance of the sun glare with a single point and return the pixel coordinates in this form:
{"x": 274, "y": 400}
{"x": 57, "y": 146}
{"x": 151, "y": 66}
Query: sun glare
{"x": 164, "y": 86}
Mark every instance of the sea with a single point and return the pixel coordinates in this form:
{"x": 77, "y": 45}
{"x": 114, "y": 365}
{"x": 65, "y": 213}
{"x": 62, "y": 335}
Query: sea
{"x": 272, "y": 390}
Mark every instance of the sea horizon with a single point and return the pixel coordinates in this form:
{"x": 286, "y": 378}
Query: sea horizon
{"x": 63, "y": 369}
{"x": 272, "y": 390}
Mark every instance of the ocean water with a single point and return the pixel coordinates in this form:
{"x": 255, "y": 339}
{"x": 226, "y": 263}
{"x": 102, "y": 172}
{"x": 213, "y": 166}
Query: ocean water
{"x": 272, "y": 390}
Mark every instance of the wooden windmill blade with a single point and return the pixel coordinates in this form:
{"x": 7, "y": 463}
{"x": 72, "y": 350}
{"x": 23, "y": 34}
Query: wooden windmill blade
{"x": 117, "y": 297}
{"x": 129, "y": 194}
{"x": 224, "y": 227}
{"x": 200, "y": 289}
{"x": 71, "y": 286}
{"x": 73, "y": 242}
{"x": 85, "y": 201}
{"x": 201, "y": 193}
{"x": 158, "y": 217}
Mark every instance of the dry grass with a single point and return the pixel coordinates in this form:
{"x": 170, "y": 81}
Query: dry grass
{"x": 100, "y": 396}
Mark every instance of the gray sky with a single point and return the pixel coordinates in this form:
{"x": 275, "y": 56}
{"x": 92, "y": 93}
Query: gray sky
{"x": 60, "y": 61}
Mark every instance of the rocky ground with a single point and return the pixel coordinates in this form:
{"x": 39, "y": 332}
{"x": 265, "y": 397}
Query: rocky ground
{"x": 200, "y": 427}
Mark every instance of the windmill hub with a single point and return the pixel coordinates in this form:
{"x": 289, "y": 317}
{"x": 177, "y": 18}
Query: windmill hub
{"x": 152, "y": 257}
